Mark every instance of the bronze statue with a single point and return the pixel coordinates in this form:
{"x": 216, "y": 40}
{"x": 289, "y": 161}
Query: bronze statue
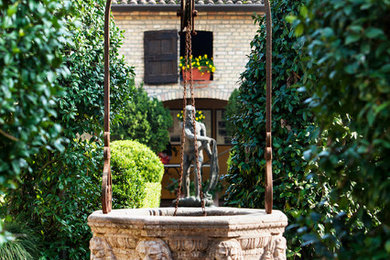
{"x": 206, "y": 144}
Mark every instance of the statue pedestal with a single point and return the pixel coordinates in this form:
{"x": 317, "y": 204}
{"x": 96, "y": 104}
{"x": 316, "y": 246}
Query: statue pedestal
{"x": 225, "y": 233}
{"x": 193, "y": 202}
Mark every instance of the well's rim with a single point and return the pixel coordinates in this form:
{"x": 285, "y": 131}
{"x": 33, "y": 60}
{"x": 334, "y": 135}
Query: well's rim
{"x": 216, "y": 216}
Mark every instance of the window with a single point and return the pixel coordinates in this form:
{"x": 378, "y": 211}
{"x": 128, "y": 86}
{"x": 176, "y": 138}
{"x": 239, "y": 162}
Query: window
{"x": 222, "y": 135}
{"x": 202, "y": 43}
{"x": 160, "y": 57}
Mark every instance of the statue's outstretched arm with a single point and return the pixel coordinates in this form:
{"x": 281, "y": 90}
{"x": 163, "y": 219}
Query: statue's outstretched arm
{"x": 202, "y": 129}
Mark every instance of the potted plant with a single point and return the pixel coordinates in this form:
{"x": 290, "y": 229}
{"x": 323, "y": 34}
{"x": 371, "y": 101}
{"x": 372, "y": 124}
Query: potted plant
{"x": 202, "y": 67}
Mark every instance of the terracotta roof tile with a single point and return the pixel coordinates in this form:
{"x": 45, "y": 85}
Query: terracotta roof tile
{"x": 176, "y": 2}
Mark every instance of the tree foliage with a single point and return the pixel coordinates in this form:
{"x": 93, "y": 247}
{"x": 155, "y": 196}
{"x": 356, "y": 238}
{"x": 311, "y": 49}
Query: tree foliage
{"x": 143, "y": 119}
{"x": 348, "y": 48}
{"x": 294, "y": 191}
{"x": 63, "y": 187}
{"x": 32, "y": 33}
{"x": 232, "y": 109}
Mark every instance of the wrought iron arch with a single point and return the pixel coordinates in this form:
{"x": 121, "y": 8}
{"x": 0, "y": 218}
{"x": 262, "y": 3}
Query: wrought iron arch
{"x": 107, "y": 181}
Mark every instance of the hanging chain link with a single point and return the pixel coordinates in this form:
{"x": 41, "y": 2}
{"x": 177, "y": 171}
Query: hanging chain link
{"x": 188, "y": 64}
{"x": 189, "y": 46}
{"x": 183, "y": 140}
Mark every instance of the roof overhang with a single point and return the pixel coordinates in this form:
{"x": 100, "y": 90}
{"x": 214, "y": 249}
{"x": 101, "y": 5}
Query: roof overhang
{"x": 201, "y": 8}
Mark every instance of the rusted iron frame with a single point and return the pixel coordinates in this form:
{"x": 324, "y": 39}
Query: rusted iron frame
{"x": 268, "y": 114}
{"x": 183, "y": 140}
{"x": 187, "y": 14}
{"x": 106, "y": 180}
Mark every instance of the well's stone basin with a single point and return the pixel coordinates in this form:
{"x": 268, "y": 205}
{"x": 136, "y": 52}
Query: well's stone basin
{"x": 225, "y": 233}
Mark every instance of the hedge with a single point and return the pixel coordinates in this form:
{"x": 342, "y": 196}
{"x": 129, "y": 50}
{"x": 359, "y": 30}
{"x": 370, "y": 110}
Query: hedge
{"x": 31, "y": 35}
{"x": 347, "y": 50}
{"x": 61, "y": 188}
{"x": 294, "y": 191}
{"x": 136, "y": 175}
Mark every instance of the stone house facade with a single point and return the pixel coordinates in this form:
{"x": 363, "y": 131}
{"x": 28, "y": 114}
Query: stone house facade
{"x": 232, "y": 30}
{"x": 225, "y": 29}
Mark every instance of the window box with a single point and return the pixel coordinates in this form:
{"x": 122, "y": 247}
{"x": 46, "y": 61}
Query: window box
{"x": 197, "y": 75}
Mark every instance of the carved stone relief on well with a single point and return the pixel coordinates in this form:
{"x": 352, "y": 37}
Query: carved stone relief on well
{"x": 155, "y": 249}
{"x": 275, "y": 249}
{"x": 100, "y": 249}
{"x": 226, "y": 249}
{"x": 187, "y": 247}
{"x": 246, "y": 234}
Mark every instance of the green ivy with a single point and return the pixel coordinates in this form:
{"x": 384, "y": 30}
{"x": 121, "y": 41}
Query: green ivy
{"x": 347, "y": 48}
{"x": 292, "y": 128}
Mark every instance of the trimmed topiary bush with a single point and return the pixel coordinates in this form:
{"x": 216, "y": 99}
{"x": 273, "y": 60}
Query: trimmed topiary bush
{"x": 136, "y": 175}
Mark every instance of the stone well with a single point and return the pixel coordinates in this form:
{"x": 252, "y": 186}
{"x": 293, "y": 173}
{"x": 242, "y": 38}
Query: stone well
{"x": 225, "y": 233}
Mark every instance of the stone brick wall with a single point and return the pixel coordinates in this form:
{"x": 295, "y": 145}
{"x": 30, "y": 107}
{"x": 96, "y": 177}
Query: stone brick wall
{"x": 232, "y": 34}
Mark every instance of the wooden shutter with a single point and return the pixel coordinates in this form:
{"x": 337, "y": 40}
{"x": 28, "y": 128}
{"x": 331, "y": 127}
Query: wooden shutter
{"x": 160, "y": 55}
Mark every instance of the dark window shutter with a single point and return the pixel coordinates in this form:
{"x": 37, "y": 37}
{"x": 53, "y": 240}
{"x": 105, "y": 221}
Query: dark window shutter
{"x": 160, "y": 55}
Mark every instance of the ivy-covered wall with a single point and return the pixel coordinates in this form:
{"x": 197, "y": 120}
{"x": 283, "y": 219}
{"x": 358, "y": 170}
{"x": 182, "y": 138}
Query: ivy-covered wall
{"x": 331, "y": 131}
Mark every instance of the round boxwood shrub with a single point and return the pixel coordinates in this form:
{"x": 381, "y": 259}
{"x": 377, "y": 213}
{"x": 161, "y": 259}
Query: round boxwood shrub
{"x": 136, "y": 175}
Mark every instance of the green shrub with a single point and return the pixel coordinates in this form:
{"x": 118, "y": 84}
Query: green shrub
{"x": 57, "y": 199}
{"x": 347, "y": 48}
{"x": 294, "y": 192}
{"x": 232, "y": 110}
{"x": 31, "y": 37}
{"x": 152, "y": 195}
{"x": 63, "y": 188}
{"x": 24, "y": 246}
{"x": 143, "y": 119}
{"x": 136, "y": 175}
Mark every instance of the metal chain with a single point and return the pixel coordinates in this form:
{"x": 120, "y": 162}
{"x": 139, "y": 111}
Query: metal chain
{"x": 188, "y": 64}
{"x": 183, "y": 140}
{"x": 189, "y": 42}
